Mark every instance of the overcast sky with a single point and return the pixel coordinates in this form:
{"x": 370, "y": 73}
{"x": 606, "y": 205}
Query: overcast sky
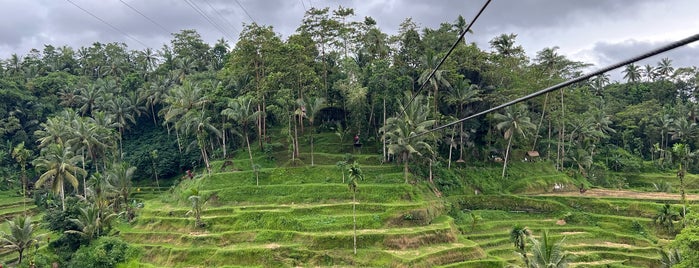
{"x": 594, "y": 31}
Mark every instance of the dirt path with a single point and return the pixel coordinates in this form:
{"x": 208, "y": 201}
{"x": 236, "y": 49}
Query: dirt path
{"x": 609, "y": 193}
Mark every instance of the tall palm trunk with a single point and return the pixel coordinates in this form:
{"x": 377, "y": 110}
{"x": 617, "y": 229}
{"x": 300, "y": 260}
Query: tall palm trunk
{"x": 507, "y": 155}
{"x": 405, "y": 166}
{"x": 354, "y": 219}
{"x": 543, "y": 112}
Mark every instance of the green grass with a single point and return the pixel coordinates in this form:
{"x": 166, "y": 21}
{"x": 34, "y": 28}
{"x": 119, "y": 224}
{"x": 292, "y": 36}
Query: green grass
{"x": 301, "y": 215}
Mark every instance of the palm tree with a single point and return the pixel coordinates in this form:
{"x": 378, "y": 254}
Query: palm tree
{"x": 355, "y": 175}
{"x": 197, "y": 206}
{"x": 683, "y": 155}
{"x": 21, "y": 235}
{"x": 461, "y": 95}
{"x": 342, "y": 165}
{"x": 120, "y": 176}
{"x": 632, "y": 73}
{"x": 241, "y": 110}
{"x": 429, "y": 61}
{"x": 89, "y": 97}
{"x": 548, "y": 253}
{"x": 665, "y": 124}
{"x": 683, "y": 130}
{"x": 60, "y": 165}
{"x": 666, "y": 217}
{"x": 313, "y": 106}
{"x": 91, "y": 222}
{"x": 670, "y": 257}
{"x": 665, "y": 68}
{"x": 649, "y": 72}
{"x": 514, "y": 120}
{"x": 401, "y": 132}
{"x": 85, "y": 137}
{"x": 53, "y": 131}
{"x": 21, "y": 155}
{"x": 519, "y": 235}
{"x": 200, "y": 125}
{"x": 155, "y": 94}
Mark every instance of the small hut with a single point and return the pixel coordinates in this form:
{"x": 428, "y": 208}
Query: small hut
{"x": 531, "y": 156}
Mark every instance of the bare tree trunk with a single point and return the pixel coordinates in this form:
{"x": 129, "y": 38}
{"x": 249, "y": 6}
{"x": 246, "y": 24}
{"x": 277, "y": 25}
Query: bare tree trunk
{"x": 384, "y": 125}
{"x": 354, "y": 219}
{"x": 405, "y": 167}
{"x": 507, "y": 155}
{"x": 223, "y": 136}
{"x": 543, "y": 112}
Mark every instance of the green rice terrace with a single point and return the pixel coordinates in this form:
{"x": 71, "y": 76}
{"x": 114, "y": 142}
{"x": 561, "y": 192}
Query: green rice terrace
{"x": 342, "y": 144}
{"x": 302, "y": 215}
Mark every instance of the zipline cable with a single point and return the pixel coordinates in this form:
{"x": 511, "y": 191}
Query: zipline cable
{"x": 643, "y": 56}
{"x": 108, "y": 24}
{"x": 461, "y": 37}
{"x": 146, "y": 17}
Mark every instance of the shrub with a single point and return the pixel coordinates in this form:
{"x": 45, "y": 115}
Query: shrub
{"x": 105, "y": 252}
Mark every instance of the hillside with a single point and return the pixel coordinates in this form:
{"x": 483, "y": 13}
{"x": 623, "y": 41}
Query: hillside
{"x": 302, "y": 216}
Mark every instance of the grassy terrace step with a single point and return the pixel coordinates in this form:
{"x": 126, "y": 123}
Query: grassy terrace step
{"x": 632, "y": 258}
{"x": 483, "y": 263}
{"x": 300, "y": 175}
{"x": 313, "y": 193}
{"x": 439, "y": 254}
{"x": 395, "y": 238}
{"x": 14, "y": 202}
{"x": 159, "y": 209}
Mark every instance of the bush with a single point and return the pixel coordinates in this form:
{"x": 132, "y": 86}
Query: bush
{"x": 104, "y": 252}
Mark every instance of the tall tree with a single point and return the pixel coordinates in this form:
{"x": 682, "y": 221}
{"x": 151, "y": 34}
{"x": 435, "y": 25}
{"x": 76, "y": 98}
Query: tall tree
{"x": 514, "y": 121}
{"x": 120, "y": 175}
{"x": 401, "y": 132}
{"x": 22, "y": 155}
{"x": 60, "y": 166}
{"x": 632, "y": 73}
{"x": 197, "y": 123}
{"x": 684, "y": 156}
{"x": 665, "y": 69}
{"x": 355, "y": 175}
{"x": 439, "y": 79}
{"x": 461, "y": 95}
{"x": 313, "y": 107}
{"x": 241, "y": 110}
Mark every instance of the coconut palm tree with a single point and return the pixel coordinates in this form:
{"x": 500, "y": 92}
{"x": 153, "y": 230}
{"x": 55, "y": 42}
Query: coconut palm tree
{"x": 355, "y": 175}
{"x": 632, "y": 73}
{"x": 683, "y": 130}
{"x": 195, "y": 122}
{"x": 60, "y": 165}
{"x": 670, "y": 257}
{"x": 684, "y": 156}
{"x": 401, "y": 132}
{"x": 519, "y": 235}
{"x": 242, "y": 111}
{"x": 197, "y": 206}
{"x": 21, "y": 235}
{"x": 429, "y": 61}
{"x": 548, "y": 253}
{"x": 514, "y": 121}
{"x": 649, "y": 72}
{"x": 665, "y": 69}
{"x": 313, "y": 106}
{"x": 22, "y": 155}
{"x": 461, "y": 95}
{"x": 666, "y": 217}
{"x": 120, "y": 176}
{"x": 91, "y": 222}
